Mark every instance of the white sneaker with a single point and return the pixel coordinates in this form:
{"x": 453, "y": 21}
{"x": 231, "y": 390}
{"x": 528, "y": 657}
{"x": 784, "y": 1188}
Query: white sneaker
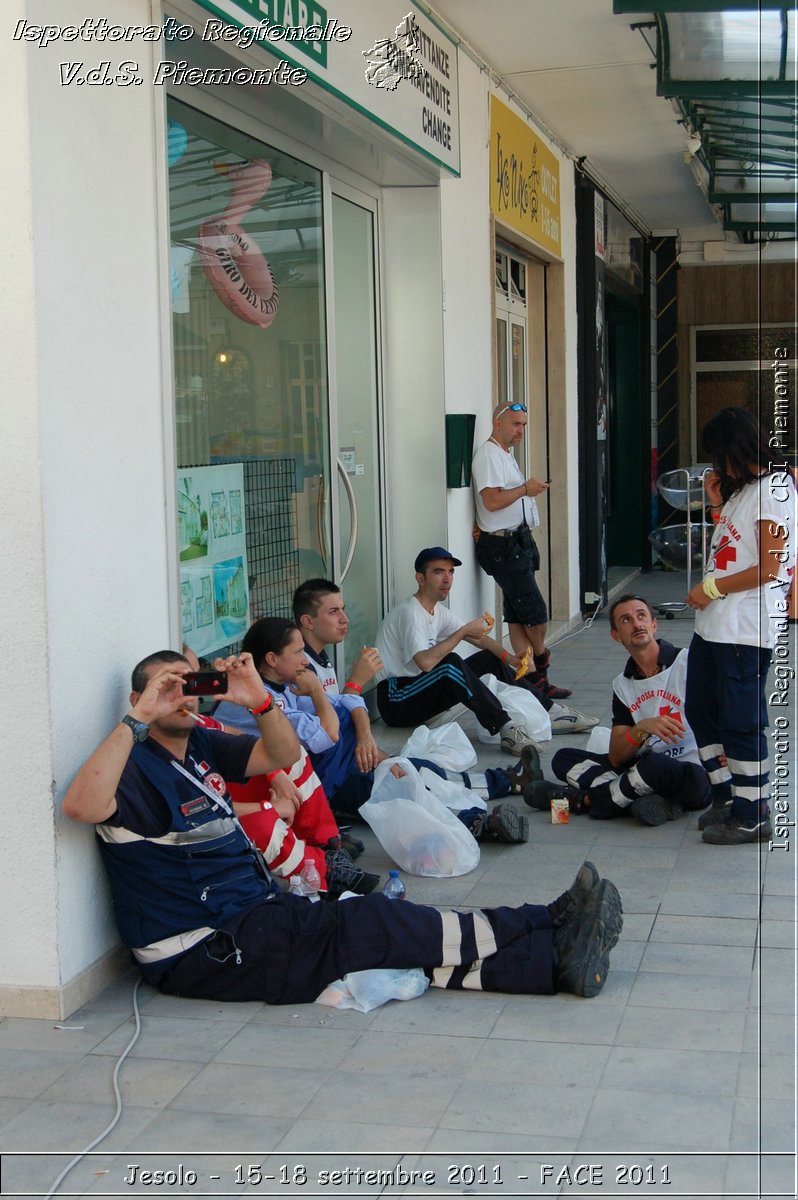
{"x": 571, "y": 721}
{"x": 514, "y": 738}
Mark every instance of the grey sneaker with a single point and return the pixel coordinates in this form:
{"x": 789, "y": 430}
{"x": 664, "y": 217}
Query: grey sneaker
{"x": 572, "y": 721}
{"x": 506, "y": 824}
{"x": 515, "y": 738}
{"x": 655, "y": 810}
{"x": 718, "y": 811}
{"x": 582, "y": 944}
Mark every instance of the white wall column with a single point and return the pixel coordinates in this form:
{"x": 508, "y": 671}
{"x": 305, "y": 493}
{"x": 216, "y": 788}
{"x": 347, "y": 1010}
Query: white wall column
{"x": 86, "y": 496}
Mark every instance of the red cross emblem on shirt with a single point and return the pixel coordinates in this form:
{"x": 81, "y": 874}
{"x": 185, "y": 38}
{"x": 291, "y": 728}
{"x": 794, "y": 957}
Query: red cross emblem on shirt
{"x": 666, "y": 711}
{"x": 215, "y": 781}
{"x": 725, "y": 553}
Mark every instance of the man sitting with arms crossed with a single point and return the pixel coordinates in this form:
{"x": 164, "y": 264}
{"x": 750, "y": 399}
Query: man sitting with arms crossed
{"x": 204, "y": 918}
{"x": 652, "y": 769}
{"x": 417, "y": 641}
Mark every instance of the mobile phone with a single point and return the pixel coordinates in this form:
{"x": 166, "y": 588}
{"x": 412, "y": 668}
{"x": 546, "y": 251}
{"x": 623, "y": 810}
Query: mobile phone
{"x": 204, "y": 683}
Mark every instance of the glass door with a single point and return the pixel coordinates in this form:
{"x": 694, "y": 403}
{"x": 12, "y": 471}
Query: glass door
{"x": 250, "y": 375}
{"x": 356, "y": 453}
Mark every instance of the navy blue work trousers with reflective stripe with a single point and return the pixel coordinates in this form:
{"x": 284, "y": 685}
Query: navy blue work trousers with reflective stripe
{"x": 288, "y": 950}
{"x": 726, "y": 708}
{"x": 413, "y": 699}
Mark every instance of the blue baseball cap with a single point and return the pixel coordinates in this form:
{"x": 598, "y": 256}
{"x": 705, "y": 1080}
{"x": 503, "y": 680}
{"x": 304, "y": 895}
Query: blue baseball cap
{"x": 431, "y": 553}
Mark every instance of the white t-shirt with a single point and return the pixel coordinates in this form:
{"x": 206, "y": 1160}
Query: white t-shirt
{"x": 408, "y": 629}
{"x": 494, "y": 467}
{"x": 744, "y": 618}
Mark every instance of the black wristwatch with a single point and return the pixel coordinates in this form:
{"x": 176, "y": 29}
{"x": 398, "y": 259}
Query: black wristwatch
{"x": 139, "y": 730}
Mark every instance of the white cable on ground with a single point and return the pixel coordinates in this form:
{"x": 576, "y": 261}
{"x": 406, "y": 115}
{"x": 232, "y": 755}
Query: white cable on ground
{"x": 588, "y": 622}
{"x": 117, "y": 1093}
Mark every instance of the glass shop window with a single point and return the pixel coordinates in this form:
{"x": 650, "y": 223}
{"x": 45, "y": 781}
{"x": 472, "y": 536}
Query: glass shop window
{"x": 250, "y": 375}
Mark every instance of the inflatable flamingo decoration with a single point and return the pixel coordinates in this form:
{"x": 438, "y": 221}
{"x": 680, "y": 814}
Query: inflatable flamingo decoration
{"x": 235, "y": 267}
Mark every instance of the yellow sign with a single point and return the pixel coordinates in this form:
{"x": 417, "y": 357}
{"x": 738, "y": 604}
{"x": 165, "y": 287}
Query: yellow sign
{"x": 524, "y": 178}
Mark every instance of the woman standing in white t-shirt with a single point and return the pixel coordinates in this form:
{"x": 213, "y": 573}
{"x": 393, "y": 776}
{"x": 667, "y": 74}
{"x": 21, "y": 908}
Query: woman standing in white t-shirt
{"x": 742, "y": 594}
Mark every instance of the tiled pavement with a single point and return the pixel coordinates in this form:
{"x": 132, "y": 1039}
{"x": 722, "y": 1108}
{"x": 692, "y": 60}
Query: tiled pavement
{"x": 685, "y": 1064}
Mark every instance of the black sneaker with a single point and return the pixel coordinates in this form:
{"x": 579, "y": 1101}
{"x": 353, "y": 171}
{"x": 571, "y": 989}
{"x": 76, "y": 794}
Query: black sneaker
{"x": 733, "y": 832}
{"x": 718, "y": 811}
{"x": 344, "y": 876}
{"x": 582, "y": 944}
{"x": 527, "y": 771}
{"x": 655, "y": 810}
{"x": 506, "y": 824}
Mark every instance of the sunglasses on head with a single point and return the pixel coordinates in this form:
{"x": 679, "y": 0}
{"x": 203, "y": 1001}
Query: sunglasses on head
{"x": 511, "y": 408}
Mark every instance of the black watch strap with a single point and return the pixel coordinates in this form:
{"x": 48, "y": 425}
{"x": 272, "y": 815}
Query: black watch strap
{"x": 139, "y": 730}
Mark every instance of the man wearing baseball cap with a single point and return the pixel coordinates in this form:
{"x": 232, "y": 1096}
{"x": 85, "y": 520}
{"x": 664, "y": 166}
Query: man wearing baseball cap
{"x": 424, "y": 675}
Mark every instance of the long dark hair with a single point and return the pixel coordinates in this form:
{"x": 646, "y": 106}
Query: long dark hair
{"x": 736, "y": 443}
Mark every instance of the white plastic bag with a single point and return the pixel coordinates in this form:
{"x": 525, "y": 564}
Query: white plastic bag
{"x": 365, "y": 990}
{"x": 599, "y": 740}
{"x": 449, "y": 746}
{"x": 454, "y": 795}
{"x": 419, "y": 832}
{"x": 521, "y": 707}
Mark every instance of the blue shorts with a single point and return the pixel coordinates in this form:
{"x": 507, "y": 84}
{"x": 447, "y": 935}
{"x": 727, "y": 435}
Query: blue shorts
{"x": 513, "y": 566}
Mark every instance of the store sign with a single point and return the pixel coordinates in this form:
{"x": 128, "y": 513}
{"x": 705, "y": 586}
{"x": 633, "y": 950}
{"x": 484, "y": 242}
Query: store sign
{"x": 524, "y": 179}
{"x": 359, "y": 50}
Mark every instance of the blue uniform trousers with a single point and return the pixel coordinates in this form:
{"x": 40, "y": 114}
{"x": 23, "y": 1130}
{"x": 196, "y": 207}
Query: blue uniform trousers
{"x": 287, "y": 950}
{"x": 726, "y": 708}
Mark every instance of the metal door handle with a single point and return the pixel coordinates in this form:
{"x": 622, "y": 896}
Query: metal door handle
{"x": 350, "y": 495}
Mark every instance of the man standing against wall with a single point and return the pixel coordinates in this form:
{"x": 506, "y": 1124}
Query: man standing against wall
{"x": 506, "y": 516}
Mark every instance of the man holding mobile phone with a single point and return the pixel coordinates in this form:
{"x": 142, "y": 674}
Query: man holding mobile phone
{"x": 506, "y": 515}
{"x": 203, "y": 917}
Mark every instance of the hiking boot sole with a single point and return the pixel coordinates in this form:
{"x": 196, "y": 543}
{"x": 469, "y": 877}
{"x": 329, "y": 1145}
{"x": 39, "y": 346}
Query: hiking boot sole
{"x": 599, "y": 934}
{"x": 655, "y": 810}
{"x": 506, "y": 824}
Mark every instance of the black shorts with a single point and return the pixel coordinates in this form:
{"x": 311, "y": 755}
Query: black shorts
{"x": 513, "y": 566}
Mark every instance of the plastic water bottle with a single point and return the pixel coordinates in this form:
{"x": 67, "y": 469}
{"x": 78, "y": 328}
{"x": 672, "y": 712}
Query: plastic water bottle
{"x": 295, "y": 886}
{"x": 394, "y": 888}
{"x": 311, "y": 880}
